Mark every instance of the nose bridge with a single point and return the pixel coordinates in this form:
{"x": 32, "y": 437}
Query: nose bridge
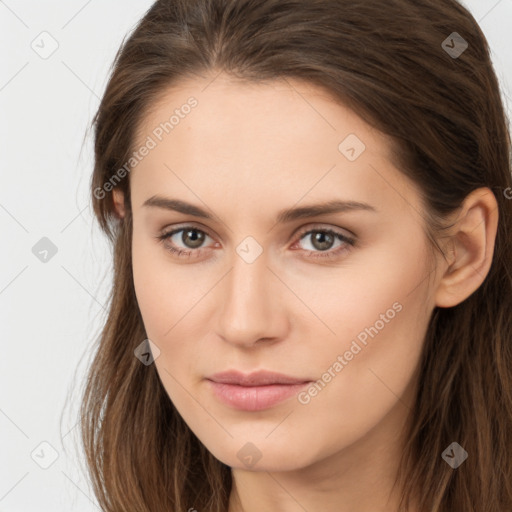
{"x": 248, "y": 297}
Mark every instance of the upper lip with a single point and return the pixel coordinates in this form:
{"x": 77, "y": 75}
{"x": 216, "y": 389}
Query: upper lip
{"x": 258, "y": 378}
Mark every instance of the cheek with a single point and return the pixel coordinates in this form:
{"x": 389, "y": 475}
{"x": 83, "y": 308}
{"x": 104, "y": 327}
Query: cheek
{"x": 166, "y": 291}
{"x": 380, "y": 318}
{"x": 378, "y": 291}
{"x": 171, "y": 301}
{"x": 149, "y": 284}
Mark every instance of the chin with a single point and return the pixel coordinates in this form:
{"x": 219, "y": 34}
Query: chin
{"x": 260, "y": 456}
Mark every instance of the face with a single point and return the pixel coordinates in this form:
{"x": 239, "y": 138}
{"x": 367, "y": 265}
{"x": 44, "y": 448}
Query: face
{"x": 339, "y": 300}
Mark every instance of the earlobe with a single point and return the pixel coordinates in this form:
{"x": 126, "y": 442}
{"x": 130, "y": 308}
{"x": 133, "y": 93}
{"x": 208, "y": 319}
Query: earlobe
{"x": 118, "y": 197}
{"x": 472, "y": 243}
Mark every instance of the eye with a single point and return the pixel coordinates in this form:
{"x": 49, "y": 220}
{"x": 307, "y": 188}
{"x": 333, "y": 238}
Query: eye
{"x": 323, "y": 240}
{"x": 190, "y": 236}
{"x": 193, "y": 238}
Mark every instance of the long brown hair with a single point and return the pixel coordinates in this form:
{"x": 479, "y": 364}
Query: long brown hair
{"x": 389, "y": 62}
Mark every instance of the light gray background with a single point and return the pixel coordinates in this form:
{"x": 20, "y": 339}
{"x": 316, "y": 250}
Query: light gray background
{"x": 51, "y": 312}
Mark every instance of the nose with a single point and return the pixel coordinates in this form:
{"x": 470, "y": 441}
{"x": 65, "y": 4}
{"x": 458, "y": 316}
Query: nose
{"x": 252, "y": 304}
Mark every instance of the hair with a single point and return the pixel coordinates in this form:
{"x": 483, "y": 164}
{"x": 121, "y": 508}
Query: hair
{"x": 449, "y": 134}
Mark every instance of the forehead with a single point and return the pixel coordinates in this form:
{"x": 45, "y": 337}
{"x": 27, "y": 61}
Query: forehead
{"x": 278, "y": 141}
{"x": 224, "y": 105}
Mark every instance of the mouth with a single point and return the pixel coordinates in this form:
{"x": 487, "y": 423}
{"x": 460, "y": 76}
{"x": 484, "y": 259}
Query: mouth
{"x": 256, "y": 391}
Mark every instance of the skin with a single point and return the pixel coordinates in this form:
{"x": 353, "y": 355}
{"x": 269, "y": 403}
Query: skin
{"x": 244, "y": 153}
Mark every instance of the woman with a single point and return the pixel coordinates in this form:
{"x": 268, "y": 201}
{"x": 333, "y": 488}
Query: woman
{"x": 309, "y": 205}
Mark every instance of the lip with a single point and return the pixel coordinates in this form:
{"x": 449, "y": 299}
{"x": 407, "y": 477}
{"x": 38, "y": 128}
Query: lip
{"x": 255, "y": 391}
{"x": 258, "y": 378}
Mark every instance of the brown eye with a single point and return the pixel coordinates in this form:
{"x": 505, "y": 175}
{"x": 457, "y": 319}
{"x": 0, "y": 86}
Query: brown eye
{"x": 189, "y": 243}
{"x": 322, "y": 240}
{"x": 191, "y": 238}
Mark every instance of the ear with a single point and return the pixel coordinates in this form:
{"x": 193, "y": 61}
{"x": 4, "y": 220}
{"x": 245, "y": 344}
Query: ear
{"x": 472, "y": 244}
{"x": 118, "y": 197}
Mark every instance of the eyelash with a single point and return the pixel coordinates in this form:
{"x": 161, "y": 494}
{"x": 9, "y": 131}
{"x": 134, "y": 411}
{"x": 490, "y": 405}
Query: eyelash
{"x": 350, "y": 242}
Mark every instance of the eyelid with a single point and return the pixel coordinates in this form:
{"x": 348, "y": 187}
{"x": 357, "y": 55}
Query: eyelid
{"x": 299, "y": 231}
{"x": 177, "y": 228}
{"x": 324, "y": 227}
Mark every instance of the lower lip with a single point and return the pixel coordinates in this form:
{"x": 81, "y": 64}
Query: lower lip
{"x": 254, "y": 398}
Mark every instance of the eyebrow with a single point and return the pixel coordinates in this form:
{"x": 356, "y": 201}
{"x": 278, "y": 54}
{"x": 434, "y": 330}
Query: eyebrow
{"x": 287, "y": 215}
